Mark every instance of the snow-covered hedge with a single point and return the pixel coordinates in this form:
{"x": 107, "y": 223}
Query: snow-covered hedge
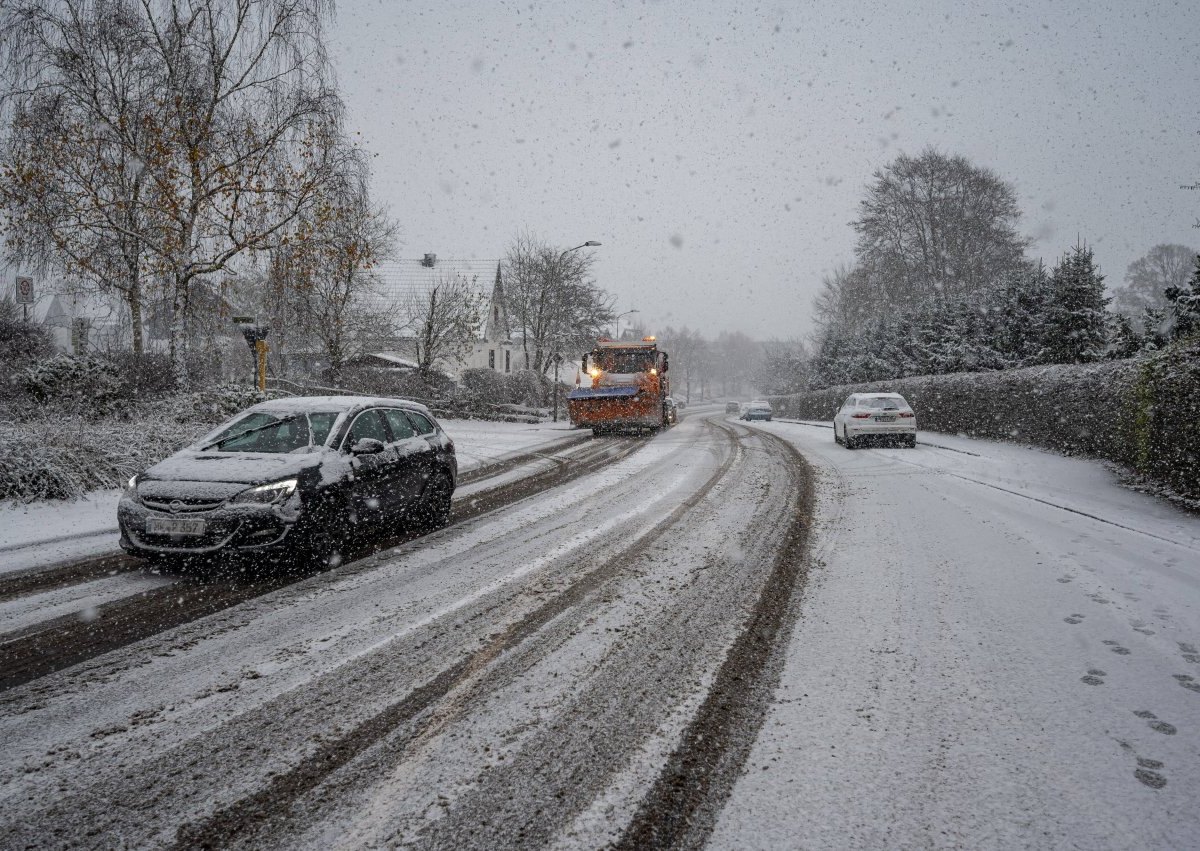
{"x": 1141, "y": 412}
{"x": 57, "y": 453}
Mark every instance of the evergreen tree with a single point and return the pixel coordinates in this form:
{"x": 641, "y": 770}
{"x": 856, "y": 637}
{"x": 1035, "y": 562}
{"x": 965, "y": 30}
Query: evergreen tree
{"x": 1185, "y": 305}
{"x": 1154, "y": 325}
{"x": 1126, "y": 342}
{"x": 1016, "y": 313}
{"x": 1076, "y": 326}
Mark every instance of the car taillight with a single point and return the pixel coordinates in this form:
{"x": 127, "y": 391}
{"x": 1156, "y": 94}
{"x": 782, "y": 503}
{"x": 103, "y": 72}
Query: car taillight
{"x": 860, "y": 416}
{"x": 907, "y": 414}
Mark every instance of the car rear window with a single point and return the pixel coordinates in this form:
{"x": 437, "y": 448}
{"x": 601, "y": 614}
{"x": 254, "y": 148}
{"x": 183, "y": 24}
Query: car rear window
{"x": 884, "y": 403}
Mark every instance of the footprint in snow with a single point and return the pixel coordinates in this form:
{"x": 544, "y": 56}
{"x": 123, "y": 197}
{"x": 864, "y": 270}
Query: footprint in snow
{"x": 1094, "y": 677}
{"x": 1154, "y": 724}
{"x": 1074, "y": 618}
{"x": 1187, "y": 681}
{"x": 1116, "y": 647}
{"x": 1190, "y": 653}
{"x": 1145, "y": 773}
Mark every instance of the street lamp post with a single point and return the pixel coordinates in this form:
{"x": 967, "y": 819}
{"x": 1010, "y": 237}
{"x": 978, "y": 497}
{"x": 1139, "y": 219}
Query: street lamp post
{"x": 617, "y": 325}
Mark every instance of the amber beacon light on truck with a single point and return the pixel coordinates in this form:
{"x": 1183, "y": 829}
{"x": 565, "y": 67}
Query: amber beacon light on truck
{"x": 629, "y": 387}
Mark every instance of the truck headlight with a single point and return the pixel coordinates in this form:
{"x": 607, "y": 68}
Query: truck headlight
{"x": 267, "y": 494}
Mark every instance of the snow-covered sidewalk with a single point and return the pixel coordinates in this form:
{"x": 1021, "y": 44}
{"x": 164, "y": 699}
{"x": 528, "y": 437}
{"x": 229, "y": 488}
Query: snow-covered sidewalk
{"x": 999, "y": 647}
{"x": 48, "y": 532}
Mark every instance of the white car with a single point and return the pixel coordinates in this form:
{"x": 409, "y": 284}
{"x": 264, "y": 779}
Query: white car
{"x": 881, "y": 417}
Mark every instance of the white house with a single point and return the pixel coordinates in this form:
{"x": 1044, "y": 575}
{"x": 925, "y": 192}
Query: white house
{"x": 403, "y": 281}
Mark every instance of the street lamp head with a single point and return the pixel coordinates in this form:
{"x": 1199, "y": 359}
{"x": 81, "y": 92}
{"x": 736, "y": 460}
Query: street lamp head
{"x": 590, "y": 244}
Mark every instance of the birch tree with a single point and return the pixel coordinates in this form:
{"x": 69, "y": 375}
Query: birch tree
{"x": 234, "y": 130}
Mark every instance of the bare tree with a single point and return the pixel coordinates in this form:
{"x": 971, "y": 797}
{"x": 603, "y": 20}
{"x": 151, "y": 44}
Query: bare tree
{"x": 784, "y": 367}
{"x": 937, "y": 226}
{"x": 71, "y": 183}
{"x": 445, "y": 321}
{"x": 325, "y": 271}
{"x": 687, "y": 350}
{"x": 553, "y": 299}
{"x": 237, "y": 124}
{"x": 1150, "y": 276}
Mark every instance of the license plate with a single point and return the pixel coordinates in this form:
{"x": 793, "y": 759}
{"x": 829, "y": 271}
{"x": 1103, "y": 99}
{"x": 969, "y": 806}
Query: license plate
{"x": 885, "y": 419}
{"x": 174, "y": 526}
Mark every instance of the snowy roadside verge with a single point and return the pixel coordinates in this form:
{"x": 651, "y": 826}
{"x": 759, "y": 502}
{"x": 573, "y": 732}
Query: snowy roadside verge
{"x": 51, "y": 531}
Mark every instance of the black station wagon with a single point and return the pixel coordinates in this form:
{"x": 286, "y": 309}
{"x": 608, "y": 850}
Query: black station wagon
{"x": 297, "y": 475}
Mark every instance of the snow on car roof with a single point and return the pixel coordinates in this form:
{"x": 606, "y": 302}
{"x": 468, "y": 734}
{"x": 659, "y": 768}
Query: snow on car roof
{"x": 333, "y": 403}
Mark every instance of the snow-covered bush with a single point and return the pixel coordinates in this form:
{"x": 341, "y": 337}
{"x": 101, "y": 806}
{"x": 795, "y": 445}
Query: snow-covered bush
{"x": 88, "y": 383}
{"x": 64, "y": 456}
{"x": 484, "y": 386}
{"x": 60, "y": 453}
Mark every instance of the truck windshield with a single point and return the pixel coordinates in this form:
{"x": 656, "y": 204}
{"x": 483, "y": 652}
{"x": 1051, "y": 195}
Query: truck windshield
{"x": 623, "y": 361}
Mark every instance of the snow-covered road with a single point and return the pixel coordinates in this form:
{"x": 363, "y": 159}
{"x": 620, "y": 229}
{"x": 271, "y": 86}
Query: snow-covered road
{"x": 998, "y": 648}
{"x": 705, "y": 638}
{"x": 518, "y": 678}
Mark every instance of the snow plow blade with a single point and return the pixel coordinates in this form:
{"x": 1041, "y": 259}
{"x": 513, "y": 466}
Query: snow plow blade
{"x": 601, "y": 408}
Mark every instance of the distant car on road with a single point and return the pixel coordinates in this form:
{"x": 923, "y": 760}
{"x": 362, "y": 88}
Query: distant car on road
{"x": 757, "y": 410}
{"x": 875, "y": 417}
{"x": 296, "y": 475}
{"x": 672, "y": 410}
{"x": 733, "y": 407}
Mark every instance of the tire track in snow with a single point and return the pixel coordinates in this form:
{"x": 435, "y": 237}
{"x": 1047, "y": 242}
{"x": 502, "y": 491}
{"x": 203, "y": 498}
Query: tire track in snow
{"x": 68, "y": 640}
{"x": 246, "y": 820}
{"x": 681, "y": 809}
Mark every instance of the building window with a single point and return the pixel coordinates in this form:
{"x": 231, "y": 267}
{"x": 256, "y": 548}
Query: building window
{"x": 507, "y": 361}
{"x": 491, "y": 358}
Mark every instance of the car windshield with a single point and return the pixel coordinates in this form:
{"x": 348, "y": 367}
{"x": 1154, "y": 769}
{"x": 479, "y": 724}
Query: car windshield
{"x": 623, "y": 361}
{"x": 883, "y": 403}
{"x": 266, "y": 431}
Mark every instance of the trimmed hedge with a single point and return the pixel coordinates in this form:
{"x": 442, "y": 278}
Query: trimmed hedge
{"x": 1143, "y": 412}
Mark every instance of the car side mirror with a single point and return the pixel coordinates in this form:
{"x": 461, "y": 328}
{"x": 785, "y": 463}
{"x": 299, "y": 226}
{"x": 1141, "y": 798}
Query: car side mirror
{"x": 367, "y": 446}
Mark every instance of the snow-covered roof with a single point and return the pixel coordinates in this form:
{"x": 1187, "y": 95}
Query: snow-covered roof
{"x": 402, "y": 280}
{"x": 393, "y": 358}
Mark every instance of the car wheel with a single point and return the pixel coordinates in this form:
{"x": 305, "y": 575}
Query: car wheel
{"x": 316, "y": 546}
{"x": 911, "y": 441}
{"x": 436, "y": 503}
{"x": 848, "y": 441}
{"x": 837, "y": 438}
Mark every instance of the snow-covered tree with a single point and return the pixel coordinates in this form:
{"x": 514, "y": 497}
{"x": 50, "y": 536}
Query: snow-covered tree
{"x": 1184, "y": 304}
{"x": 1076, "y": 321}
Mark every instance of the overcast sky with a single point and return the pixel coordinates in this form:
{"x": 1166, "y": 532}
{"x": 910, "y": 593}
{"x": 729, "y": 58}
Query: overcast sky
{"x": 719, "y": 150}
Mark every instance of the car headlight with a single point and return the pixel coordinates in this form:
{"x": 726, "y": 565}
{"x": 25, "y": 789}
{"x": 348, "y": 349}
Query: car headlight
{"x": 267, "y": 494}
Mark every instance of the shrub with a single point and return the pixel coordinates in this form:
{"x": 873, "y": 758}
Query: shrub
{"x": 87, "y": 382}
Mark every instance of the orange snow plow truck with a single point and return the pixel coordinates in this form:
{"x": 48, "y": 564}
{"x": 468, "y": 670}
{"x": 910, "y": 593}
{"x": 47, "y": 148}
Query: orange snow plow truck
{"x": 629, "y": 388}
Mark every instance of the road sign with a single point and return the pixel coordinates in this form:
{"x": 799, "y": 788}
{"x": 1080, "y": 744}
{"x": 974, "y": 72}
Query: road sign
{"x": 243, "y": 320}
{"x": 24, "y": 290}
